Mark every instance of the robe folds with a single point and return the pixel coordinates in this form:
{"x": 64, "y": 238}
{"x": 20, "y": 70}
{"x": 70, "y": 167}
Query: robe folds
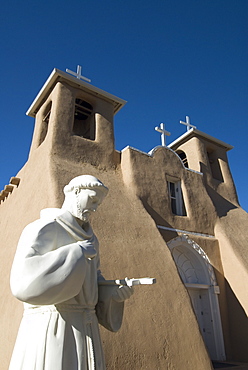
{"x": 59, "y": 288}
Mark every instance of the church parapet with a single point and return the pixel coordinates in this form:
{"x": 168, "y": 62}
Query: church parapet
{"x": 153, "y": 176}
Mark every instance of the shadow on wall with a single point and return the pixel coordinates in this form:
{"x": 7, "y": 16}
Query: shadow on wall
{"x": 237, "y": 322}
{"x": 238, "y": 327}
{"x": 158, "y": 219}
{"x": 222, "y": 205}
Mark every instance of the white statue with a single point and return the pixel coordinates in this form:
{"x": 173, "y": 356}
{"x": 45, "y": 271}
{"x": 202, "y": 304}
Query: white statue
{"x": 56, "y": 274}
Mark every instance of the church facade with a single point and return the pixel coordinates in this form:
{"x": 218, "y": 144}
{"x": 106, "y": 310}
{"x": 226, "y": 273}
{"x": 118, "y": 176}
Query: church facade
{"x": 172, "y": 214}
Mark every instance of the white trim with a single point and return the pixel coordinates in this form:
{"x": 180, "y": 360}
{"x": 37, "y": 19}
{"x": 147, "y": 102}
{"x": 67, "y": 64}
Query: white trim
{"x": 136, "y": 150}
{"x": 152, "y": 151}
{"x": 185, "y": 232}
{"x": 57, "y": 76}
{"x": 190, "y": 169}
{"x": 197, "y": 286}
{"x": 193, "y": 131}
{"x": 216, "y": 288}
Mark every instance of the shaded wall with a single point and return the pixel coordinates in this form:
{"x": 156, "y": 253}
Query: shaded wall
{"x": 212, "y": 208}
{"x": 159, "y": 328}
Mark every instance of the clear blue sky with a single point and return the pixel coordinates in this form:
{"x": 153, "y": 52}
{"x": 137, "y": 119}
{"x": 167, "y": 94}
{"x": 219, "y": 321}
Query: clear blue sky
{"x": 167, "y": 58}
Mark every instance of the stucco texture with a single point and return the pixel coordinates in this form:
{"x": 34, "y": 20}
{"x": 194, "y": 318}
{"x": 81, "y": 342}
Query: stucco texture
{"x": 159, "y": 330}
{"x": 157, "y": 317}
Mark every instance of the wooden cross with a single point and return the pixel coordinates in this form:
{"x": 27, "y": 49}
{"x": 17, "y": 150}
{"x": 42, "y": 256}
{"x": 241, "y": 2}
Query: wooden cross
{"x": 163, "y": 132}
{"x": 187, "y": 123}
{"x": 78, "y": 74}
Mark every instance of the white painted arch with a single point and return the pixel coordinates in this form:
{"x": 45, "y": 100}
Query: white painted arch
{"x": 198, "y": 276}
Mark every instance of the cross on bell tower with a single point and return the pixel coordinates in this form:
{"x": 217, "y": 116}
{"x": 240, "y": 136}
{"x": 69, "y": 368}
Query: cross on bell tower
{"x": 187, "y": 123}
{"x": 78, "y": 74}
{"x": 163, "y": 132}
{"x": 70, "y": 114}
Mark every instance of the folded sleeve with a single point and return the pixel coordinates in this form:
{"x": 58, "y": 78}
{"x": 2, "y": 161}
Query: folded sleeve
{"x": 43, "y": 274}
{"x": 109, "y": 312}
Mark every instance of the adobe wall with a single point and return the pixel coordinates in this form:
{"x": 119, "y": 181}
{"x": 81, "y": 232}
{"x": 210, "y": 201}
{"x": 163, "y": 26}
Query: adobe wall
{"x": 58, "y": 138}
{"x": 156, "y": 317}
{"x": 19, "y": 209}
{"x": 232, "y": 232}
{"x": 217, "y": 176}
{"x": 212, "y": 208}
{"x": 148, "y": 176}
{"x": 160, "y": 330}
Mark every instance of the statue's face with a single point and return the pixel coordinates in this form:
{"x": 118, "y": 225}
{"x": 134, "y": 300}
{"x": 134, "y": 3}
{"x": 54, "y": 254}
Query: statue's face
{"x": 87, "y": 202}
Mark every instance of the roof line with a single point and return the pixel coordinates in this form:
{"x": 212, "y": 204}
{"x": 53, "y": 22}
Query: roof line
{"x": 203, "y": 134}
{"x": 58, "y": 75}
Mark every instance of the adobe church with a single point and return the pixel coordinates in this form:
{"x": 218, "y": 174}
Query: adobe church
{"x": 171, "y": 214}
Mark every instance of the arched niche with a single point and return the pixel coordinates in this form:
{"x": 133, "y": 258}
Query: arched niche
{"x": 183, "y": 157}
{"x": 198, "y": 276}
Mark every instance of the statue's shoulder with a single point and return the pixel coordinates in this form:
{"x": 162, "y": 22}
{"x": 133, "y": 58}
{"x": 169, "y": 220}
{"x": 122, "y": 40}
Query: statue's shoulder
{"x": 45, "y": 224}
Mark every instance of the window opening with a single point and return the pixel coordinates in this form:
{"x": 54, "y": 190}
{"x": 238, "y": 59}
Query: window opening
{"x": 47, "y": 117}
{"x": 45, "y": 122}
{"x": 183, "y": 157}
{"x": 176, "y": 198}
{"x": 214, "y": 165}
{"x": 84, "y": 124}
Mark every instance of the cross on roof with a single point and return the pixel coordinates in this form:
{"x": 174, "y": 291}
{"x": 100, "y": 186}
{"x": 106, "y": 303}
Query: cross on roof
{"x": 187, "y": 123}
{"x": 163, "y": 132}
{"x": 78, "y": 74}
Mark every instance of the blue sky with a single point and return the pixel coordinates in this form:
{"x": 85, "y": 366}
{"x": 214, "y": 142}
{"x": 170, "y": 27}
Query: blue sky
{"x": 167, "y": 58}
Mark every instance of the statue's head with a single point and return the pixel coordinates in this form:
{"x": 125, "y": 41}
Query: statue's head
{"x": 83, "y": 195}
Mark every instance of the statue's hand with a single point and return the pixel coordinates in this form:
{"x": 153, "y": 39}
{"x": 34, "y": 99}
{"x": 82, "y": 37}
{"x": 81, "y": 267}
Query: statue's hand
{"x": 122, "y": 293}
{"x": 88, "y": 249}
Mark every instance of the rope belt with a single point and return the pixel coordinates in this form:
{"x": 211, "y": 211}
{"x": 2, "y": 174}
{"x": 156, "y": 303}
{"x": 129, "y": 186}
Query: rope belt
{"x": 61, "y": 307}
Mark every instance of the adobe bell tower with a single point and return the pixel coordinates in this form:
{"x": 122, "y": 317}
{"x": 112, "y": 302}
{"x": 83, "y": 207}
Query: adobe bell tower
{"x": 74, "y": 119}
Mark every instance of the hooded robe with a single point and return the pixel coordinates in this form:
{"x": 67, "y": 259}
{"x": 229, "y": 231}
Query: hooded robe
{"x": 59, "y": 288}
